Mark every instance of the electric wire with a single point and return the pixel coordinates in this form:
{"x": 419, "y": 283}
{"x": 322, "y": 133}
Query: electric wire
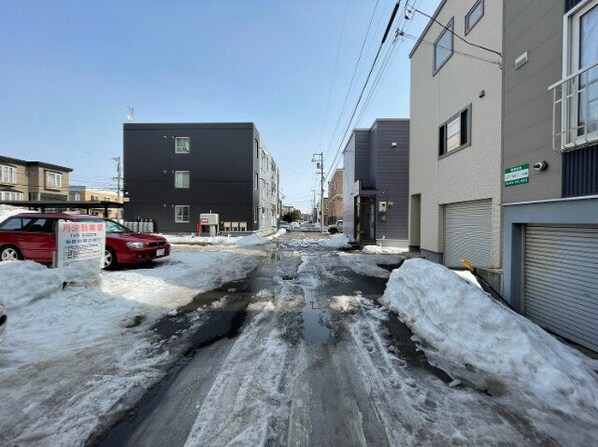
{"x": 352, "y": 80}
{"x": 338, "y": 50}
{"x": 457, "y": 35}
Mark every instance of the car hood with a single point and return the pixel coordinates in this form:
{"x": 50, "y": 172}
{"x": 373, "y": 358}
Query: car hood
{"x": 135, "y": 237}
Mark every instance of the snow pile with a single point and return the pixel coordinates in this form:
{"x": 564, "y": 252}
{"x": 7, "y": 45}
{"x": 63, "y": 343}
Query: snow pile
{"x": 7, "y": 210}
{"x": 476, "y": 339}
{"x": 337, "y": 241}
{"x": 375, "y": 249}
{"x": 345, "y": 303}
{"x": 220, "y": 240}
{"x": 73, "y": 353}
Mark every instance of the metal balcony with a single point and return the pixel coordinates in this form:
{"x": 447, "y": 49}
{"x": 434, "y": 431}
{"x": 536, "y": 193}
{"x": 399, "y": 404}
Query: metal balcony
{"x": 575, "y": 110}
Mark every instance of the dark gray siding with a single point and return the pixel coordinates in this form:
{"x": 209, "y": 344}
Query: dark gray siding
{"x": 221, "y": 164}
{"x": 534, "y": 26}
{"x": 362, "y": 158}
{"x": 580, "y": 172}
{"x": 392, "y": 176}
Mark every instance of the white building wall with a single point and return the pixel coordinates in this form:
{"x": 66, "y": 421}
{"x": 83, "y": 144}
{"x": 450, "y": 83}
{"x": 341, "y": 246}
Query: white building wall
{"x": 474, "y": 172}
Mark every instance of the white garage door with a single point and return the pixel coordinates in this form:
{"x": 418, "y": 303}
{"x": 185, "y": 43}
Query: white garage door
{"x": 468, "y": 233}
{"x": 561, "y": 281}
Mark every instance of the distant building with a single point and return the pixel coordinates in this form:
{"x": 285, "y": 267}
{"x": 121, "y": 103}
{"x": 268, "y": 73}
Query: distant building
{"x": 175, "y": 172}
{"x": 376, "y": 182}
{"x": 22, "y": 180}
{"x": 334, "y": 206}
{"x": 87, "y": 194}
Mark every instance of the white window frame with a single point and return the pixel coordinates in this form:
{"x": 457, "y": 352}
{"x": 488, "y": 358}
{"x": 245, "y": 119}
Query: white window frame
{"x": 8, "y": 174}
{"x": 11, "y": 196}
{"x": 180, "y": 175}
{"x": 448, "y": 28}
{"x": 180, "y": 219}
{"x": 177, "y": 150}
{"x": 571, "y": 55}
{"x": 471, "y": 25}
{"x": 53, "y": 180}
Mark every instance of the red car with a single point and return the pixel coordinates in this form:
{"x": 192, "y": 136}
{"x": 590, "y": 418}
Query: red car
{"x": 31, "y": 236}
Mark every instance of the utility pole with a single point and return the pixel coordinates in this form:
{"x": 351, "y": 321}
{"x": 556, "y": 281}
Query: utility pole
{"x": 318, "y": 159}
{"x": 118, "y": 179}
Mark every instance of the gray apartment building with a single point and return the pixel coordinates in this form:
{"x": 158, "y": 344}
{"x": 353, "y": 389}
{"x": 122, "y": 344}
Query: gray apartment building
{"x": 174, "y": 172}
{"x": 376, "y": 183}
{"x": 550, "y": 163}
{"x": 455, "y": 137}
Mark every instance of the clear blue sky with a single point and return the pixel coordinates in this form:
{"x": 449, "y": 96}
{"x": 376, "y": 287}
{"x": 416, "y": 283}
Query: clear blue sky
{"x": 69, "y": 69}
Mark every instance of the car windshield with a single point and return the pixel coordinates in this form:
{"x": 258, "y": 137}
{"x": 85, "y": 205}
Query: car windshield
{"x": 115, "y": 227}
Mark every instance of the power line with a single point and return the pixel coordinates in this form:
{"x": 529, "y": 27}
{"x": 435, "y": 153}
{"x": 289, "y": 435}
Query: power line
{"x": 394, "y": 12}
{"x": 352, "y": 78}
{"x": 457, "y": 36}
{"x": 338, "y": 50}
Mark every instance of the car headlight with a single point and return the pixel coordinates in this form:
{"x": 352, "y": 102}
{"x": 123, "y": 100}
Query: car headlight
{"x": 135, "y": 245}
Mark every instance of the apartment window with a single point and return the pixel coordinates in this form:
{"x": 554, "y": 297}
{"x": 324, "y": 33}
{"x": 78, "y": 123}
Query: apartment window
{"x": 585, "y": 30}
{"x": 181, "y": 179}
{"x": 474, "y": 15}
{"x": 95, "y": 198}
{"x": 443, "y": 47}
{"x": 53, "y": 180}
{"x": 255, "y": 213}
{"x": 455, "y": 133}
{"x": 257, "y": 149}
{"x": 181, "y": 213}
{"x": 11, "y": 196}
{"x": 182, "y": 145}
{"x": 256, "y": 181}
{"x": 8, "y": 174}
{"x": 77, "y": 197}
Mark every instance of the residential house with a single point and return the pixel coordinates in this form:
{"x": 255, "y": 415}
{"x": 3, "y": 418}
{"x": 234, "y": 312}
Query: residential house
{"x": 550, "y": 161}
{"x": 375, "y": 183}
{"x": 22, "y": 180}
{"x": 455, "y": 135}
{"x": 174, "y": 172}
{"x": 78, "y": 193}
{"x": 335, "y": 198}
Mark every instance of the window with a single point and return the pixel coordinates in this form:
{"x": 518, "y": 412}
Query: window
{"x": 181, "y": 179}
{"x": 181, "y": 213}
{"x": 15, "y": 224}
{"x": 455, "y": 133}
{"x": 587, "y": 116}
{"x": 575, "y": 97}
{"x": 11, "y": 196}
{"x": 77, "y": 197}
{"x": 95, "y": 198}
{"x": 443, "y": 47}
{"x": 8, "y": 174}
{"x": 53, "y": 180}
{"x": 182, "y": 145}
{"x": 474, "y": 15}
{"x": 257, "y": 149}
{"x": 256, "y": 181}
{"x": 255, "y": 213}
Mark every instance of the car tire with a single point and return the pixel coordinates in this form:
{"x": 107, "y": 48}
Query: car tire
{"x": 109, "y": 259}
{"x": 10, "y": 253}
{"x": 333, "y": 231}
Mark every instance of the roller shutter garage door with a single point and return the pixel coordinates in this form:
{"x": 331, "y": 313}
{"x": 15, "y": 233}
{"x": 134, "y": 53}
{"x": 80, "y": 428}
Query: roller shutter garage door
{"x": 468, "y": 233}
{"x": 561, "y": 281}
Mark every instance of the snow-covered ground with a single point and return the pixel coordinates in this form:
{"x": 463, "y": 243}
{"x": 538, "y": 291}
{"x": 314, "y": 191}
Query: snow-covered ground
{"x": 479, "y": 341}
{"x": 70, "y": 355}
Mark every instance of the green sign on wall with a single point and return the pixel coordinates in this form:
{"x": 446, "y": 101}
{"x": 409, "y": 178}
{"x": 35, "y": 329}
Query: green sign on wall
{"x": 517, "y": 175}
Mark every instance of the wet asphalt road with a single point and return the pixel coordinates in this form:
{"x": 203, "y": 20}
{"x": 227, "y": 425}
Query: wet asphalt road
{"x": 300, "y": 353}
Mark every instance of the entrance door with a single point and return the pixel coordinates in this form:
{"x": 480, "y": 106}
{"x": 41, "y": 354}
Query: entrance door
{"x": 368, "y": 219}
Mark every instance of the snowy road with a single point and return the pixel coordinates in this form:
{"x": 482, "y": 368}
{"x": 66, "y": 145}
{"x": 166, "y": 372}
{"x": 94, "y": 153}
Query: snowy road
{"x": 300, "y": 353}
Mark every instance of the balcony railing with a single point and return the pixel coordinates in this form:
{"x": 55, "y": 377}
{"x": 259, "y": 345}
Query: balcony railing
{"x": 575, "y": 110}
